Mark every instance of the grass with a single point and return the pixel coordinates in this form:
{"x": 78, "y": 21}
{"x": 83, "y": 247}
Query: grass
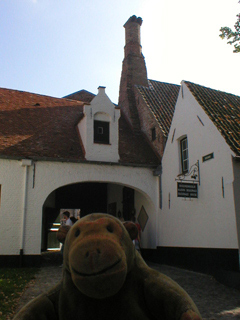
{"x": 12, "y": 284}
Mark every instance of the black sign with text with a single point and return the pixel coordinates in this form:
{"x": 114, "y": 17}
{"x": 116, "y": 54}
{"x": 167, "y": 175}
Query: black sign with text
{"x": 208, "y": 157}
{"x": 187, "y": 190}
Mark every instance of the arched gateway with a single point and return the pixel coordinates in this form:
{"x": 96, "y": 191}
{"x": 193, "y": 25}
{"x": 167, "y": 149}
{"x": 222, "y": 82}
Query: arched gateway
{"x": 119, "y": 200}
{"x": 123, "y": 191}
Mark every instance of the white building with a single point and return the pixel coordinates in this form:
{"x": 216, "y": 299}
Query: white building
{"x": 200, "y": 215}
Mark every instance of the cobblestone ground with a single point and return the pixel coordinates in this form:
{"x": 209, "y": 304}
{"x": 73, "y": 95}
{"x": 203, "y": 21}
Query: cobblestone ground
{"x": 214, "y": 300}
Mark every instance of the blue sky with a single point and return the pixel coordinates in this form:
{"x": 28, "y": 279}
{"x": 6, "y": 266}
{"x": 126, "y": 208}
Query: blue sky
{"x": 56, "y": 47}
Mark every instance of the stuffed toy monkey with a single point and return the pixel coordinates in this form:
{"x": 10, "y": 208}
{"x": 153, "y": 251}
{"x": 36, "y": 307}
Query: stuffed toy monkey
{"x": 105, "y": 278}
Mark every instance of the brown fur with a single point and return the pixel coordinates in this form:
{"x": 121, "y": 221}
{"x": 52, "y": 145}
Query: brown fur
{"x": 104, "y": 277}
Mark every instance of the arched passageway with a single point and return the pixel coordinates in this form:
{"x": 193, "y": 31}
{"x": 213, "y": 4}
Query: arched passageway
{"x": 89, "y": 197}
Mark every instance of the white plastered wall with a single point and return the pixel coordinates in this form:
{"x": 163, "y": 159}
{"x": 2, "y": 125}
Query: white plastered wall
{"x": 11, "y": 207}
{"x": 50, "y": 176}
{"x": 208, "y": 221}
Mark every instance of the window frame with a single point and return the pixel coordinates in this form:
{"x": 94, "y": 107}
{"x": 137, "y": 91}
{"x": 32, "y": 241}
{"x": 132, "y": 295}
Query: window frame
{"x": 184, "y": 155}
{"x": 102, "y": 137}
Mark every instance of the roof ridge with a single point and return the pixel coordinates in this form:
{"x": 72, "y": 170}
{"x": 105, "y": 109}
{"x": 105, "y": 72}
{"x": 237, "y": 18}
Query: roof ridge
{"x": 208, "y": 88}
{"x": 156, "y": 81}
{"x": 82, "y": 90}
{"x": 35, "y": 94}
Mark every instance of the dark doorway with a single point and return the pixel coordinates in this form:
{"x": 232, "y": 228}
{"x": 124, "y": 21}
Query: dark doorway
{"x": 128, "y": 204}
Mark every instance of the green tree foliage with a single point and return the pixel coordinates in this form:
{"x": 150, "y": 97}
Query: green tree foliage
{"x": 232, "y": 35}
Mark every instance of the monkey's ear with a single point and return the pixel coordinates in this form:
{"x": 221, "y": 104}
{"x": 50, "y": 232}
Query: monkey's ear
{"x": 131, "y": 228}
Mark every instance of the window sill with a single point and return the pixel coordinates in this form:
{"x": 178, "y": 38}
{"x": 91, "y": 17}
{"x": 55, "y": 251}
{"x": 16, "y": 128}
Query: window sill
{"x": 104, "y": 143}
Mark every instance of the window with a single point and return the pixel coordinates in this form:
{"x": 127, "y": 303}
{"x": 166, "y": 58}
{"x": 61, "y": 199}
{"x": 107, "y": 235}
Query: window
{"x": 101, "y": 132}
{"x": 184, "y": 154}
{"x": 153, "y": 134}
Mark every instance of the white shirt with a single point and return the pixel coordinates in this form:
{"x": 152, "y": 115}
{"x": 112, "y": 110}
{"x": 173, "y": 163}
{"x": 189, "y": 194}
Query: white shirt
{"x": 69, "y": 222}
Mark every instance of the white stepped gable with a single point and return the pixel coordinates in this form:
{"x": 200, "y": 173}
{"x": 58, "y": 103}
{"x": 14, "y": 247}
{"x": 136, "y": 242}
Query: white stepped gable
{"x": 99, "y": 129}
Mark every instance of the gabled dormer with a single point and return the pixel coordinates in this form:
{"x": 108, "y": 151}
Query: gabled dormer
{"x": 99, "y": 129}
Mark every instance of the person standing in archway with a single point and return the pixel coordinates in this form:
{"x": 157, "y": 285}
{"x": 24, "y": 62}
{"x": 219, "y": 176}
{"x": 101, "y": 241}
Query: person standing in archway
{"x": 66, "y": 218}
{"x": 65, "y": 222}
{"x": 138, "y": 239}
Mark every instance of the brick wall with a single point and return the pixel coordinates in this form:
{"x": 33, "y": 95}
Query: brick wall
{"x": 133, "y": 71}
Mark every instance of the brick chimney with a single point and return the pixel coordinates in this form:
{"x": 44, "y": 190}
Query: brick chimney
{"x": 133, "y": 71}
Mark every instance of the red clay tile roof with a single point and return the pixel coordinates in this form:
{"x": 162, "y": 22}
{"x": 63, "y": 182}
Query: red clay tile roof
{"x": 38, "y": 126}
{"x": 81, "y": 95}
{"x": 224, "y": 111}
{"x": 161, "y": 98}
{"x": 133, "y": 148}
{"x": 42, "y": 127}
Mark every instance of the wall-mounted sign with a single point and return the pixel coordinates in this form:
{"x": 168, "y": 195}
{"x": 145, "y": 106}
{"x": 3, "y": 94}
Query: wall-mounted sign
{"x": 187, "y": 190}
{"x": 142, "y": 218}
{"x": 208, "y": 157}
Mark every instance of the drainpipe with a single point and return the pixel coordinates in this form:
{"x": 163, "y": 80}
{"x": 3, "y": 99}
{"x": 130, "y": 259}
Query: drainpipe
{"x": 158, "y": 173}
{"x": 25, "y": 163}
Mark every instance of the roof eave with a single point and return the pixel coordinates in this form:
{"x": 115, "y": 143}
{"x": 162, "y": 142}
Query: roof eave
{"x": 83, "y": 161}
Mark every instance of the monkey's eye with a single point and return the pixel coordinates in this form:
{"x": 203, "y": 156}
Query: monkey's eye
{"x": 110, "y": 228}
{"x": 77, "y": 233}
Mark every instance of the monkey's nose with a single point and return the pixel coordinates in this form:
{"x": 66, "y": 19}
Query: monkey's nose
{"x": 95, "y": 252}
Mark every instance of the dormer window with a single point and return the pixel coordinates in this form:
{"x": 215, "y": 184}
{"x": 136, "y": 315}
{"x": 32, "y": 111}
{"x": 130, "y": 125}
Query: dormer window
{"x": 101, "y": 132}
